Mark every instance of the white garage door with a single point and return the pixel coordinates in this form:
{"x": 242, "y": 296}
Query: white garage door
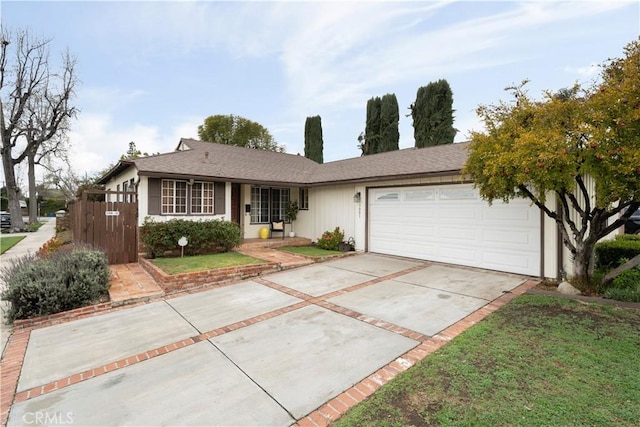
{"x": 451, "y": 224}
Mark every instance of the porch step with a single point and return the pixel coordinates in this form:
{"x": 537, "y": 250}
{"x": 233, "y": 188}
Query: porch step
{"x": 273, "y": 243}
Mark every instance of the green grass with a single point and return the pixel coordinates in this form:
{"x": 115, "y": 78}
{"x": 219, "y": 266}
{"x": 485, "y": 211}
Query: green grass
{"x": 8, "y": 242}
{"x": 35, "y": 226}
{"x": 538, "y": 361}
{"x": 204, "y": 262}
{"x": 311, "y": 251}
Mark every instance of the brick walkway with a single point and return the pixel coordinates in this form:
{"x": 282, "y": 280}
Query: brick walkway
{"x": 132, "y": 282}
{"x": 285, "y": 259}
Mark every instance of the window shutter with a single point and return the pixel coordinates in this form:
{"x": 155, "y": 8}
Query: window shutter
{"x": 219, "y": 198}
{"x": 154, "y": 196}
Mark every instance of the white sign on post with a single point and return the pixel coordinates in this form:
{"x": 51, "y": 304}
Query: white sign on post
{"x": 112, "y": 213}
{"x": 182, "y": 242}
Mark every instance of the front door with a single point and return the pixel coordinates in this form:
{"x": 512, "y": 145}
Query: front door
{"x": 235, "y": 203}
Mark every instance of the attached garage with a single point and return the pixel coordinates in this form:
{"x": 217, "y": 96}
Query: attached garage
{"x": 452, "y": 224}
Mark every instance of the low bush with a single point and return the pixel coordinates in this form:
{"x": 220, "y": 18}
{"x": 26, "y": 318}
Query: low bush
{"x": 628, "y": 237}
{"x": 625, "y": 287}
{"x": 331, "y": 240}
{"x": 64, "y": 280}
{"x": 612, "y": 253}
{"x": 203, "y": 236}
{"x": 50, "y": 246}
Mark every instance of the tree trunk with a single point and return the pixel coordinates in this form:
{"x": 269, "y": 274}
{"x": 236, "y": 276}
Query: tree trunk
{"x": 33, "y": 199}
{"x": 13, "y": 192}
{"x": 583, "y": 261}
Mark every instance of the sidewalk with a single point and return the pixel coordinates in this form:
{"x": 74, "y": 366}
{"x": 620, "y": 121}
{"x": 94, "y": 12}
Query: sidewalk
{"x": 30, "y": 244}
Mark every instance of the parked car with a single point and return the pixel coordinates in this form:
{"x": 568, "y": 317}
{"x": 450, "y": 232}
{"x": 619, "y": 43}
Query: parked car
{"x": 5, "y": 220}
{"x": 632, "y": 226}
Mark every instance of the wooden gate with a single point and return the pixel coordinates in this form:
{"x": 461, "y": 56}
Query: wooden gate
{"x": 109, "y": 225}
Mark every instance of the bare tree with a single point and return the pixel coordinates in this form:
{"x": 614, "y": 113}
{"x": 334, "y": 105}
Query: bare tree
{"x": 34, "y": 111}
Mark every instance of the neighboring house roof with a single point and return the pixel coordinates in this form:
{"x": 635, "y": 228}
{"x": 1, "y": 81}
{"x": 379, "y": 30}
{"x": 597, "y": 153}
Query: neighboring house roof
{"x": 198, "y": 159}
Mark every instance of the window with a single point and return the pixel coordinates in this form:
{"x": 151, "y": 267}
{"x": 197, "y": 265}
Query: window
{"x": 259, "y": 205}
{"x": 174, "y": 197}
{"x": 279, "y": 200}
{"x": 417, "y": 195}
{"x": 458, "y": 194}
{"x": 268, "y": 204}
{"x": 389, "y": 196}
{"x": 202, "y": 198}
{"x": 303, "y": 198}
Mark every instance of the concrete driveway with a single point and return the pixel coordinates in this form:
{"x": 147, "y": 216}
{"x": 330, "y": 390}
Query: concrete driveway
{"x": 263, "y": 352}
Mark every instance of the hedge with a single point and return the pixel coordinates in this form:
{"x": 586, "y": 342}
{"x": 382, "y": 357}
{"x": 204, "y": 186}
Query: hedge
{"x": 202, "y": 236}
{"x": 612, "y": 253}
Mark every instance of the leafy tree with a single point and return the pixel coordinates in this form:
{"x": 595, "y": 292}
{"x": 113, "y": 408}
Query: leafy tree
{"x": 236, "y": 130}
{"x": 313, "y": 143}
{"x": 562, "y": 148}
{"x": 389, "y": 119}
{"x": 432, "y": 114}
{"x": 35, "y": 110}
{"x": 370, "y": 142}
{"x": 133, "y": 153}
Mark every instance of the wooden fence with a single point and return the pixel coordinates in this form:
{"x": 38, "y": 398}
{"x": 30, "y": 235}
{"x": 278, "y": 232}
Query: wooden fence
{"x": 109, "y": 225}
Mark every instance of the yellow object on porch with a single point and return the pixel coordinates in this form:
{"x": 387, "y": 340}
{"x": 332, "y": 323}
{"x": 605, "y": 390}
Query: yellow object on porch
{"x": 264, "y": 233}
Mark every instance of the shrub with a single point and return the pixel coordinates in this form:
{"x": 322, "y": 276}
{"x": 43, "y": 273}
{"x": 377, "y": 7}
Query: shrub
{"x": 209, "y": 235}
{"x": 64, "y": 280}
{"x": 625, "y": 287}
{"x": 50, "y": 246}
{"x": 331, "y": 240}
{"x": 611, "y": 253}
{"x": 628, "y": 237}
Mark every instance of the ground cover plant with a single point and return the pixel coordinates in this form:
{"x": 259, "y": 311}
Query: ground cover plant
{"x": 310, "y": 251}
{"x": 538, "y": 361}
{"x": 8, "y": 242}
{"x": 204, "y": 262}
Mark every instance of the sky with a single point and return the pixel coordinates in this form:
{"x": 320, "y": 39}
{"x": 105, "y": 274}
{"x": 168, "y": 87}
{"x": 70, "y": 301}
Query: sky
{"x": 152, "y": 71}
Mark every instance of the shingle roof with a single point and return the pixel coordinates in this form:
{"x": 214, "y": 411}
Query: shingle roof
{"x": 408, "y": 162}
{"x": 237, "y": 164}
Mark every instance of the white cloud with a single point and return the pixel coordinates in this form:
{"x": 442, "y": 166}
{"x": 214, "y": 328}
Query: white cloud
{"x": 587, "y": 71}
{"x": 96, "y": 141}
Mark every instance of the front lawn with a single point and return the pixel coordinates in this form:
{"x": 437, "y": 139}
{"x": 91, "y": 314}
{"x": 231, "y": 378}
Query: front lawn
{"x": 203, "y": 262}
{"x": 310, "y": 251}
{"x": 537, "y": 361}
{"x": 8, "y": 242}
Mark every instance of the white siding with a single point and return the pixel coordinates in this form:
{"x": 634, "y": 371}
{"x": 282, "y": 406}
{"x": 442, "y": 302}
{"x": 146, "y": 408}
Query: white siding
{"x": 116, "y": 181}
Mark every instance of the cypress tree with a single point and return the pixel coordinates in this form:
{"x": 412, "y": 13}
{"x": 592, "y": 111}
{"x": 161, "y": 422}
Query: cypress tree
{"x": 389, "y": 119}
{"x": 313, "y": 143}
{"x": 372, "y": 135}
{"x": 432, "y": 114}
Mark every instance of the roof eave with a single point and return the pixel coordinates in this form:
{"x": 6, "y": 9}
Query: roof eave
{"x": 152, "y": 174}
{"x": 121, "y": 166}
{"x": 387, "y": 178}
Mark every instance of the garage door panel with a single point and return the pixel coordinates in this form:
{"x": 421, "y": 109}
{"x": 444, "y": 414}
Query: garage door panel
{"x": 516, "y": 211}
{"x": 449, "y": 223}
{"x": 457, "y": 255}
{"x": 521, "y": 263}
{"x": 460, "y": 234}
{"x": 458, "y": 213}
{"x": 512, "y": 237}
